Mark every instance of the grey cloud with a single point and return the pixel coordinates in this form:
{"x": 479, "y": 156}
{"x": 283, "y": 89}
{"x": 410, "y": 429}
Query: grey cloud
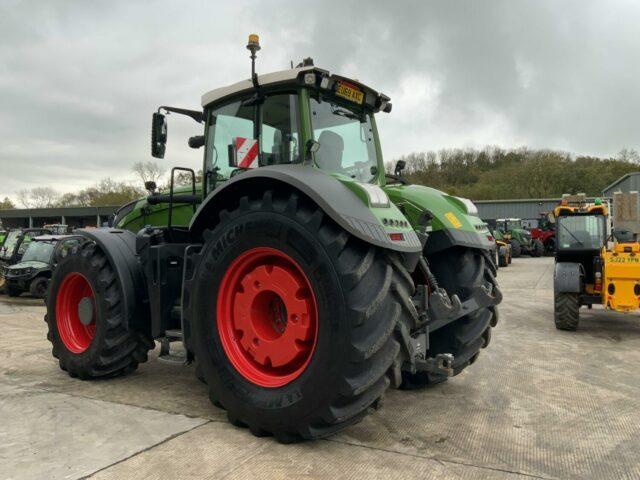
{"x": 78, "y": 80}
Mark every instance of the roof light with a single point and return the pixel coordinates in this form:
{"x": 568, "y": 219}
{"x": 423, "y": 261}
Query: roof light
{"x": 310, "y": 78}
{"x": 324, "y": 83}
{"x": 254, "y": 42}
{"x": 597, "y": 201}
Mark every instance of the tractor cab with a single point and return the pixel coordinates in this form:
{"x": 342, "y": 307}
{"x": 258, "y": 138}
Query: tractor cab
{"x": 303, "y": 115}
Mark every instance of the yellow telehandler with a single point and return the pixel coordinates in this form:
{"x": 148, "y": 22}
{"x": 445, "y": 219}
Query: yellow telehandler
{"x": 597, "y": 256}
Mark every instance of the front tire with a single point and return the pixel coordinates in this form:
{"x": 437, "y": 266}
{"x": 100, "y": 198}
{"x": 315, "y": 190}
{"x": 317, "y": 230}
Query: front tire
{"x": 459, "y": 271}
{"x": 537, "y": 249}
{"x": 38, "y": 287}
{"x": 516, "y": 248}
{"x": 85, "y": 318}
{"x": 342, "y": 290}
{"x": 13, "y": 291}
{"x": 566, "y": 311}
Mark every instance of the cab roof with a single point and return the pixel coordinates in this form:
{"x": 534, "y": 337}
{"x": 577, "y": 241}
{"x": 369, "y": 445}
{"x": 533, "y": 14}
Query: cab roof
{"x": 271, "y": 79}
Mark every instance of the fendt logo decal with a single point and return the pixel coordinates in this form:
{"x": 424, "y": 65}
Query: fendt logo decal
{"x": 247, "y": 151}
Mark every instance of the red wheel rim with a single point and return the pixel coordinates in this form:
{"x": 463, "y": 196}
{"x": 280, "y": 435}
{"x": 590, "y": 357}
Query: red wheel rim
{"x": 74, "y": 334}
{"x": 267, "y": 317}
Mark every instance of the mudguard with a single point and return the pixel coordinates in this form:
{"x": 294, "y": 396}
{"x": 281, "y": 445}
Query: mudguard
{"x": 450, "y": 223}
{"x": 342, "y": 204}
{"x": 567, "y": 277}
{"x": 120, "y": 248}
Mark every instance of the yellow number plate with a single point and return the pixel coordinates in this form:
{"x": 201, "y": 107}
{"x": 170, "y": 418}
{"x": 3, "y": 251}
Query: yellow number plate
{"x": 347, "y": 91}
{"x": 625, "y": 259}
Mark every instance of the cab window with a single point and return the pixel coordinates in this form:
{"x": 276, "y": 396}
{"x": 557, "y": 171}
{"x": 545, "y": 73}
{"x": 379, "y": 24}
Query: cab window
{"x": 280, "y": 136}
{"x": 227, "y": 123}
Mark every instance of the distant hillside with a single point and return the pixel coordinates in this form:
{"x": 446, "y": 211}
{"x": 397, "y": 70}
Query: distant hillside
{"x": 494, "y": 173}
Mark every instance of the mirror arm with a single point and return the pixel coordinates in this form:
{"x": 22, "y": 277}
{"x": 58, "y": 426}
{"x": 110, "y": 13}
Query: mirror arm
{"x": 197, "y": 115}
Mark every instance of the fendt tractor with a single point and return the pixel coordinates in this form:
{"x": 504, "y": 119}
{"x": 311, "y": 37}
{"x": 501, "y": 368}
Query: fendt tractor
{"x": 519, "y": 238}
{"x": 300, "y": 278}
{"x": 597, "y": 256}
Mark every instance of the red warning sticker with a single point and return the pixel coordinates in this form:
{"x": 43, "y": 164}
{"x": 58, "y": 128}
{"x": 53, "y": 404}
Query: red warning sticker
{"x": 247, "y": 152}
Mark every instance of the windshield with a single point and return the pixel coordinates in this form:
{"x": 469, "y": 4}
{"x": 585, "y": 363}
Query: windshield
{"x": 514, "y": 224}
{"x": 6, "y": 251}
{"x": 581, "y": 232}
{"x": 346, "y": 138}
{"x": 38, "y": 252}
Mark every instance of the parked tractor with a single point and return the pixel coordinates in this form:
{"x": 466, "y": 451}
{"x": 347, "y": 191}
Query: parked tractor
{"x": 545, "y": 232}
{"x": 502, "y": 250}
{"x": 300, "y": 278}
{"x": 519, "y": 238}
{"x": 595, "y": 263}
{"x": 14, "y": 246}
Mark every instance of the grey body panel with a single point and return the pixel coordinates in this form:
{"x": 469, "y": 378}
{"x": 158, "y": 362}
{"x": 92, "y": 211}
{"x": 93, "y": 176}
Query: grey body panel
{"x": 567, "y": 278}
{"x": 120, "y": 248}
{"x": 336, "y": 200}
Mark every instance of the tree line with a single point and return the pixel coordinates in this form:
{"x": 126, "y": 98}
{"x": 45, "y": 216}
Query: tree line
{"x": 480, "y": 174}
{"x": 496, "y": 173}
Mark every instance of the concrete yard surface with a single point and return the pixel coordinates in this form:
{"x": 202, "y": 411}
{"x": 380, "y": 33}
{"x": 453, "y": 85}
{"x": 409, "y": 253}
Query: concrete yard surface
{"x": 538, "y": 403}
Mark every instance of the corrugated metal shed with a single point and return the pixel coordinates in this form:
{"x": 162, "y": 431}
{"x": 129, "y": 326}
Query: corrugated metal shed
{"x": 627, "y": 183}
{"x": 530, "y": 208}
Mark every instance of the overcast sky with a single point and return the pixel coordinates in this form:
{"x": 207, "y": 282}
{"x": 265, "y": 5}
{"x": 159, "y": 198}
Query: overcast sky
{"x": 79, "y": 80}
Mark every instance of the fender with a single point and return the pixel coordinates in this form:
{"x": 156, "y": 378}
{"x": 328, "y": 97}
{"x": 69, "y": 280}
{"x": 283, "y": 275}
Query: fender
{"x": 120, "y": 248}
{"x": 332, "y": 196}
{"x": 567, "y": 278}
{"x": 451, "y": 225}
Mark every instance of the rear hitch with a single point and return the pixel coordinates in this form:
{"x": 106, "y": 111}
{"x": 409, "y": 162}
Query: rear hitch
{"x": 176, "y": 358}
{"x": 441, "y": 364}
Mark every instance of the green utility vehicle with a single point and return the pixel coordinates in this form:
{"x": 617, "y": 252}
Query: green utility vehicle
{"x": 300, "y": 278}
{"x": 519, "y": 238}
{"x": 33, "y": 273}
{"x": 14, "y": 246}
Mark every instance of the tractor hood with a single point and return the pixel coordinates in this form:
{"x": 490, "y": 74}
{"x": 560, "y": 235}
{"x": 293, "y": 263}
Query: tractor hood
{"x": 454, "y": 220}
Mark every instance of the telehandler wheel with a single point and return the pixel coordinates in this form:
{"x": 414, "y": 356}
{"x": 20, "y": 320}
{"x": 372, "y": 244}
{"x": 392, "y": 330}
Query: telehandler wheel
{"x": 84, "y": 316}
{"x": 537, "y": 249}
{"x": 293, "y": 319}
{"x": 516, "y": 249}
{"x": 38, "y": 287}
{"x": 566, "y": 311}
{"x": 460, "y": 270}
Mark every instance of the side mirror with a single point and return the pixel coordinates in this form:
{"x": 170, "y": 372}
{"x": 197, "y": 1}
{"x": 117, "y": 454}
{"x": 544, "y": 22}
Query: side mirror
{"x": 150, "y": 186}
{"x": 197, "y": 141}
{"x": 400, "y": 165}
{"x": 551, "y": 217}
{"x": 158, "y": 135}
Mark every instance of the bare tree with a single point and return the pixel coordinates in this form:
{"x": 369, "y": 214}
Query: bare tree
{"x": 148, "y": 171}
{"x": 24, "y": 197}
{"x": 43, "y": 197}
{"x": 38, "y": 197}
{"x": 628, "y": 155}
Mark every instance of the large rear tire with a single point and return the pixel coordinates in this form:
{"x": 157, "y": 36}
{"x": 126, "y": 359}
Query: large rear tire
{"x": 566, "y": 311}
{"x": 460, "y": 271}
{"x": 300, "y": 358}
{"x": 85, "y": 318}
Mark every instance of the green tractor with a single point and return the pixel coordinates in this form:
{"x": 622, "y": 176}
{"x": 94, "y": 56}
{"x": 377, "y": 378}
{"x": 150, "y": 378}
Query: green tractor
{"x": 519, "y": 238}
{"x": 301, "y": 279}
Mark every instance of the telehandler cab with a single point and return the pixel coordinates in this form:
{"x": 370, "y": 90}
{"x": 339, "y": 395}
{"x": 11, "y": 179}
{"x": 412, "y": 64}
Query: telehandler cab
{"x": 594, "y": 263}
{"x": 299, "y": 279}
